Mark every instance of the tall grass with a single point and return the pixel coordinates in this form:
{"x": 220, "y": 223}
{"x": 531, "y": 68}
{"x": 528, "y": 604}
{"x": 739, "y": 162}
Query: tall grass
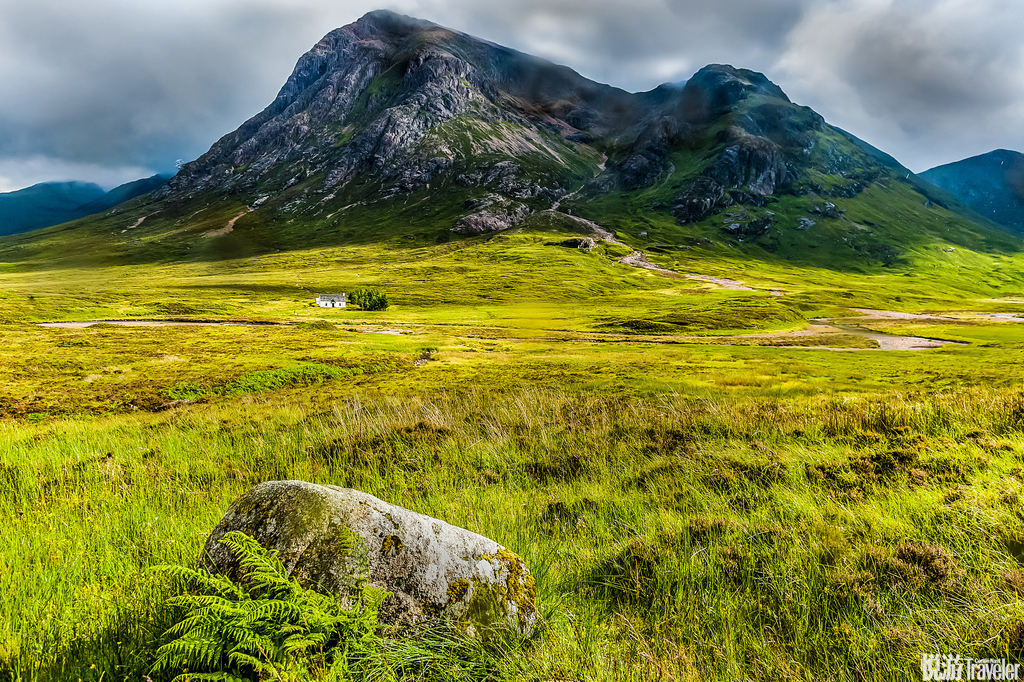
{"x": 674, "y": 537}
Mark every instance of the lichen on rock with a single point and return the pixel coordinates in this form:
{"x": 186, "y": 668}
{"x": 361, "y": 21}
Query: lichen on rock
{"x": 334, "y": 539}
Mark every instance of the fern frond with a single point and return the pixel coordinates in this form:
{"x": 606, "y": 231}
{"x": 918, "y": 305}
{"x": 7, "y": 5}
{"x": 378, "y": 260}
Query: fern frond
{"x": 240, "y": 658}
{"x": 188, "y": 653}
{"x": 294, "y": 645}
{"x": 195, "y": 625}
{"x": 273, "y": 609}
{"x": 200, "y": 580}
{"x": 263, "y": 622}
{"x": 263, "y": 565}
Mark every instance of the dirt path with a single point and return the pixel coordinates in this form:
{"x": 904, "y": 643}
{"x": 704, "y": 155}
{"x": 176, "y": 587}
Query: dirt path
{"x": 728, "y": 283}
{"x": 137, "y": 223}
{"x": 227, "y": 228}
{"x": 639, "y": 258}
{"x": 570, "y": 195}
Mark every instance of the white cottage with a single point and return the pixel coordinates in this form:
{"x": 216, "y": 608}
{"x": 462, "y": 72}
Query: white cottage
{"x": 330, "y": 300}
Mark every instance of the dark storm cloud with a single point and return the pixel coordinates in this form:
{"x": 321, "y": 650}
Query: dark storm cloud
{"x": 112, "y": 89}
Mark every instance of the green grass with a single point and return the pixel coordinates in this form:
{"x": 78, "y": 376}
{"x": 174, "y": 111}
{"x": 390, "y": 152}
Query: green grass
{"x": 733, "y": 538}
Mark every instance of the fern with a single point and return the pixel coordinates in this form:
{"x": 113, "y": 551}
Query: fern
{"x": 262, "y": 625}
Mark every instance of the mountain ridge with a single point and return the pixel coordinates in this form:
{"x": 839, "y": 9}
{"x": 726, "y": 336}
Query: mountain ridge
{"x": 52, "y": 203}
{"x": 991, "y": 183}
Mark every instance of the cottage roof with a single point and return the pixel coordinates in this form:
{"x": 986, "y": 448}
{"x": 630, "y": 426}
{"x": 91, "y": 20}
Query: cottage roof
{"x": 330, "y": 297}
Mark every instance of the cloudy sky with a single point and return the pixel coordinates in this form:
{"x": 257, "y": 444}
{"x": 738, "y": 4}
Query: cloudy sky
{"x": 113, "y": 90}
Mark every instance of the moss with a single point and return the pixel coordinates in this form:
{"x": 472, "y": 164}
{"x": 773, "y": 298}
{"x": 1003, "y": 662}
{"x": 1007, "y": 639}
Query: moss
{"x": 491, "y": 601}
{"x": 457, "y": 590}
{"x": 521, "y": 588}
{"x": 391, "y": 542}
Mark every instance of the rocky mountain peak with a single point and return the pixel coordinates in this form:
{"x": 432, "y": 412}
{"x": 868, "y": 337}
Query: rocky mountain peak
{"x": 391, "y": 105}
{"x": 717, "y": 88}
{"x": 392, "y": 23}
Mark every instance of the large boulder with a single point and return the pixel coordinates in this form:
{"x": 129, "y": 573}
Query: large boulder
{"x": 431, "y": 568}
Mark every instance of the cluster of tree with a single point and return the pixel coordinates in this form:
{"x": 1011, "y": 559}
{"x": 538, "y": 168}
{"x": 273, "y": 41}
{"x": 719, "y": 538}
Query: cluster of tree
{"x": 369, "y": 299}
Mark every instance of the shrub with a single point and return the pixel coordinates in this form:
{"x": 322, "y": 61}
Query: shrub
{"x": 369, "y": 299}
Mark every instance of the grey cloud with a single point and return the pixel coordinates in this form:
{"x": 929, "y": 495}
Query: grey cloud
{"x": 900, "y": 66}
{"x": 119, "y": 83}
{"x": 634, "y": 45}
{"x": 765, "y": 23}
{"x": 929, "y": 82}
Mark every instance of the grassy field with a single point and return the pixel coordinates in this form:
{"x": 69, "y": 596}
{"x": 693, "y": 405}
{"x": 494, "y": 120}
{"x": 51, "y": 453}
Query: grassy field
{"x": 695, "y": 500}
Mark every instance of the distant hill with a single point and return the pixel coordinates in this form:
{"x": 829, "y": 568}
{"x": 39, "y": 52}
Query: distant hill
{"x": 992, "y": 184}
{"x": 45, "y": 204}
{"x": 52, "y": 203}
{"x": 124, "y": 193}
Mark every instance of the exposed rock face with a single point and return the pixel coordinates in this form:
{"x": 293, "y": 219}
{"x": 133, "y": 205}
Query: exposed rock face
{"x": 491, "y": 221}
{"x": 826, "y": 210}
{"x": 748, "y": 227}
{"x": 754, "y": 164}
{"x": 701, "y": 198}
{"x": 493, "y": 214}
{"x": 433, "y": 569}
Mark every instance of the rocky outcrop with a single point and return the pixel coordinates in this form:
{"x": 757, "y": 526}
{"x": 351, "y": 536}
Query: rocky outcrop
{"x": 584, "y": 244}
{"x": 744, "y": 226}
{"x": 498, "y": 216}
{"x": 827, "y": 210}
{"x": 753, "y": 164}
{"x": 700, "y": 199}
{"x": 328, "y": 538}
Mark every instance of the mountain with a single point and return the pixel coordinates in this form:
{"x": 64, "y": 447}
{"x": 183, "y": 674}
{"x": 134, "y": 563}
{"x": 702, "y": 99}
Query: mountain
{"x": 44, "y": 204}
{"x": 125, "y": 192}
{"x": 992, "y": 184}
{"x": 52, "y": 203}
{"x": 394, "y": 128}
